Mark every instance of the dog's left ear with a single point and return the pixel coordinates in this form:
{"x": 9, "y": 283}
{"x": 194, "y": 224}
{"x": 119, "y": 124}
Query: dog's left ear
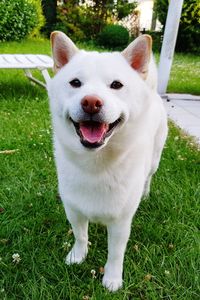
{"x": 62, "y": 49}
{"x": 138, "y": 54}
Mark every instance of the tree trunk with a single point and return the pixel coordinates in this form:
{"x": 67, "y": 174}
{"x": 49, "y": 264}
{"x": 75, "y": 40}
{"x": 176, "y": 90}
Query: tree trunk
{"x": 154, "y": 17}
{"x": 49, "y": 11}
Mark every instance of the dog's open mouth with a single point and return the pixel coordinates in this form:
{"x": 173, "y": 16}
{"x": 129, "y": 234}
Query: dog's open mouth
{"x": 92, "y": 134}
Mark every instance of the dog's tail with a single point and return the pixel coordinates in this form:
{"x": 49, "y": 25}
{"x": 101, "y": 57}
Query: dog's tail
{"x": 152, "y": 77}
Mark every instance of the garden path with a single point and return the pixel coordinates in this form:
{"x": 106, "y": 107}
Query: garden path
{"x": 184, "y": 110}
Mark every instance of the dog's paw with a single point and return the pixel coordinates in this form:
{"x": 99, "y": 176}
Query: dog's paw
{"x": 76, "y": 256}
{"x": 112, "y": 284}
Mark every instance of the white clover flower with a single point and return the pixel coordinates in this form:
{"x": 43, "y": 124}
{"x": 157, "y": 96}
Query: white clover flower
{"x": 167, "y": 272}
{"x": 66, "y": 245}
{"x": 86, "y": 298}
{"x": 16, "y": 258}
{"x": 93, "y": 272}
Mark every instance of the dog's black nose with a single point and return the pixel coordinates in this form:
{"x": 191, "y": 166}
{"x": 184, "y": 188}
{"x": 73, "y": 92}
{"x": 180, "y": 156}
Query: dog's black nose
{"x": 91, "y": 104}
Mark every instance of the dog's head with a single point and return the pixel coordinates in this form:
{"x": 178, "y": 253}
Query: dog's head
{"x": 93, "y": 95}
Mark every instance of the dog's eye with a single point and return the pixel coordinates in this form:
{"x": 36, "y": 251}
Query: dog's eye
{"x": 116, "y": 85}
{"x": 75, "y": 83}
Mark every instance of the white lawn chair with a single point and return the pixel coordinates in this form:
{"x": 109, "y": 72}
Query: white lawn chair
{"x": 27, "y": 62}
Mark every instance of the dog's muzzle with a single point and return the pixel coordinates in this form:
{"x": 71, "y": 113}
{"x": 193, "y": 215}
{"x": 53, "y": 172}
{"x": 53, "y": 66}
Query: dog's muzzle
{"x": 92, "y": 129}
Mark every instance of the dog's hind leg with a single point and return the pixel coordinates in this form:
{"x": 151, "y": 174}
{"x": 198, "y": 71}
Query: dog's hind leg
{"x": 159, "y": 142}
{"x": 80, "y": 229}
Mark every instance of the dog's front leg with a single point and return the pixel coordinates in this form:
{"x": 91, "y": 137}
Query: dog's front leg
{"x": 118, "y": 234}
{"x": 80, "y": 229}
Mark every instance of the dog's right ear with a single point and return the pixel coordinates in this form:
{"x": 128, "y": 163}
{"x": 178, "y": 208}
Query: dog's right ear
{"x": 138, "y": 54}
{"x": 62, "y": 49}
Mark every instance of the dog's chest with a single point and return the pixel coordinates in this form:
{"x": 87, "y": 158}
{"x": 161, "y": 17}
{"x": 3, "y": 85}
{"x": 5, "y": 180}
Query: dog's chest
{"x": 101, "y": 196}
{"x": 95, "y": 196}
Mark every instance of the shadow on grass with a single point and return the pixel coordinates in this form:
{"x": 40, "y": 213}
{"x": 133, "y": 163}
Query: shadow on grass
{"x": 15, "y": 85}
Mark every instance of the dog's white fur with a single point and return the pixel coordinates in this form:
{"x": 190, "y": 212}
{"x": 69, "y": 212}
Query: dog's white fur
{"x": 106, "y": 184}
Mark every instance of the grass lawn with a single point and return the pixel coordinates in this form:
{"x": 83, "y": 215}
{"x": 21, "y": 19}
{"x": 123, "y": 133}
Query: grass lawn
{"x": 185, "y": 75}
{"x": 162, "y": 257}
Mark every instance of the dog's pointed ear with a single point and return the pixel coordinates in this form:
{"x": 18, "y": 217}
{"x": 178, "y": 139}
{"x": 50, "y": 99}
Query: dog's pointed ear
{"x": 138, "y": 54}
{"x": 62, "y": 49}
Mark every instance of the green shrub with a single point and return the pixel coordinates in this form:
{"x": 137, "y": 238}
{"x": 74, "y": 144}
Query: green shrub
{"x": 69, "y": 20}
{"x": 113, "y": 36}
{"x": 40, "y": 17}
{"x": 84, "y": 20}
{"x": 188, "y": 40}
{"x": 19, "y": 18}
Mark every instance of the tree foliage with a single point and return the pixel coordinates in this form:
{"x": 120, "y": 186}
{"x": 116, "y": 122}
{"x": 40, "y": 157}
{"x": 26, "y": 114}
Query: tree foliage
{"x": 189, "y": 28}
{"x": 85, "y": 20}
{"x": 71, "y": 19}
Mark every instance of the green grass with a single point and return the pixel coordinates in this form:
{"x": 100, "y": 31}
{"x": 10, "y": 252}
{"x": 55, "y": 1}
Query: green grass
{"x": 164, "y": 242}
{"x": 185, "y": 74}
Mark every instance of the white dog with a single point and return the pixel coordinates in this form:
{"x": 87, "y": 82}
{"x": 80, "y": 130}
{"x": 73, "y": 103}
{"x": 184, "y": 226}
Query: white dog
{"x": 110, "y": 127}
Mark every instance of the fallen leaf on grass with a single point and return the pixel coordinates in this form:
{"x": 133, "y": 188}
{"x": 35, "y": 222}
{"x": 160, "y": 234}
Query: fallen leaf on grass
{"x": 148, "y": 277}
{"x": 70, "y": 231}
{"x": 4, "y": 241}
{"x": 136, "y": 248}
{"x": 171, "y": 246}
{"x": 9, "y": 151}
{"x": 101, "y": 270}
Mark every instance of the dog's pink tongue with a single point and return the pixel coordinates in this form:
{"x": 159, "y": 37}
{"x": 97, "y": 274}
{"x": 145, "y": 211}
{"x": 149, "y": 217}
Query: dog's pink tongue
{"x": 93, "y": 132}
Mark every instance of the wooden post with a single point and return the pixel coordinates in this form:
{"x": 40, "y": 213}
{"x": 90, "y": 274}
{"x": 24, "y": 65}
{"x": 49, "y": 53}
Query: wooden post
{"x": 168, "y": 45}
